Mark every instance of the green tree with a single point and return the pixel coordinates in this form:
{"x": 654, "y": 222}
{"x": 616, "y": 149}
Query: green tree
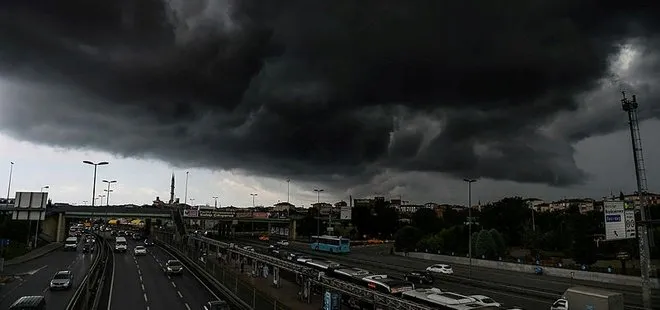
{"x": 427, "y": 221}
{"x": 431, "y": 243}
{"x": 498, "y": 241}
{"x": 584, "y": 250}
{"x": 485, "y": 244}
{"x": 363, "y": 220}
{"x": 407, "y": 238}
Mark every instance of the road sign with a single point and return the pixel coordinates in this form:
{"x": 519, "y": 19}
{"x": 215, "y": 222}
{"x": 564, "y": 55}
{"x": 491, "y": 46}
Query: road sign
{"x": 619, "y": 220}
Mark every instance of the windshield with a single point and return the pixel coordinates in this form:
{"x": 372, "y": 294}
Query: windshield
{"x": 174, "y": 264}
{"x": 121, "y": 242}
{"x": 139, "y": 248}
{"x": 487, "y": 300}
{"x": 61, "y": 277}
{"x": 71, "y": 242}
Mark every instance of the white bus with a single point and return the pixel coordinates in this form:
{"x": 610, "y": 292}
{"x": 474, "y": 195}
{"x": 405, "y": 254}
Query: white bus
{"x": 443, "y": 300}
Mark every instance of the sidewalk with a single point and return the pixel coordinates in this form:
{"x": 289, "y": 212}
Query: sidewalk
{"x": 36, "y": 253}
{"x": 286, "y": 294}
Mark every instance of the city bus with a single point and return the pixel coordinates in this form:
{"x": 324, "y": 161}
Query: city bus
{"x": 331, "y": 244}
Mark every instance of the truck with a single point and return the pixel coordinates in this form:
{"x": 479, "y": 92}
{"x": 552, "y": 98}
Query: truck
{"x": 588, "y": 298}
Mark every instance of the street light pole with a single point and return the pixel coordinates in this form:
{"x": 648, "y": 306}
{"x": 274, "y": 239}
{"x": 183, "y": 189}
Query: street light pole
{"x": 215, "y": 203}
{"x": 318, "y": 211}
{"x": 107, "y": 199}
{"x": 36, "y": 233}
{"x": 94, "y": 184}
{"x": 469, "y": 182}
{"x": 11, "y": 172}
{"x": 253, "y": 195}
{"x": 44, "y": 187}
{"x": 185, "y": 193}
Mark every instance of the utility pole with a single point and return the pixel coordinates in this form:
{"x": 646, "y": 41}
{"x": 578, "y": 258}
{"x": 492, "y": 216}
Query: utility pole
{"x": 469, "y": 182}
{"x": 630, "y": 106}
{"x": 318, "y": 211}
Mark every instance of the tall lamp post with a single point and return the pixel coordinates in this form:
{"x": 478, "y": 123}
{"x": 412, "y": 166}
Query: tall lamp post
{"x": 96, "y": 165}
{"x": 469, "y": 182}
{"x": 108, "y": 191}
{"x": 253, "y": 196}
{"x": 288, "y": 183}
{"x": 44, "y": 187}
{"x": 215, "y": 202}
{"x": 318, "y": 211}
{"x": 11, "y": 172}
{"x": 36, "y": 232}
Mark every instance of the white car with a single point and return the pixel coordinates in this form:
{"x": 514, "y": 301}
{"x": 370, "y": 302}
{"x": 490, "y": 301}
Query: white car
{"x": 139, "y": 250}
{"x": 248, "y": 248}
{"x": 486, "y": 301}
{"x": 560, "y": 304}
{"x": 283, "y": 243}
{"x": 440, "y": 268}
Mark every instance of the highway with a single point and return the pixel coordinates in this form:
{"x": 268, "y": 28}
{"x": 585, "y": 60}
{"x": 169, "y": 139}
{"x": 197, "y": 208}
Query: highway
{"x": 33, "y": 277}
{"x": 377, "y": 259}
{"x": 140, "y": 283}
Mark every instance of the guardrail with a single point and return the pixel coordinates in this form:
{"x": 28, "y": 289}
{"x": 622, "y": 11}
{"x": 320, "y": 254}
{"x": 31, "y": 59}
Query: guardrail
{"x": 204, "y": 277}
{"x": 85, "y": 297}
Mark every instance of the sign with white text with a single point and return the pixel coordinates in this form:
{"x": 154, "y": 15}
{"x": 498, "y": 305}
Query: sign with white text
{"x": 619, "y": 220}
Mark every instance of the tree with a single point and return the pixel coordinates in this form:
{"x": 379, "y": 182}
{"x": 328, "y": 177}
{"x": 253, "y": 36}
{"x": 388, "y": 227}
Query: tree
{"x": 485, "y": 244}
{"x": 498, "y": 240}
{"x": 427, "y": 221}
{"x": 407, "y": 238}
{"x": 584, "y": 250}
{"x": 363, "y": 220}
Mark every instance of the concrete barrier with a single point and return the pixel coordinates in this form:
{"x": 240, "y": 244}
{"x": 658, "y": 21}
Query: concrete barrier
{"x": 526, "y": 268}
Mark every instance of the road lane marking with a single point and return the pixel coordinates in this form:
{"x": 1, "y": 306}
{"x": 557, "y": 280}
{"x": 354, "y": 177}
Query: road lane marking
{"x": 112, "y": 282}
{"x": 187, "y": 307}
{"x": 145, "y": 297}
{"x": 142, "y": 286}
{"x": 141, "y": 279}
{"x": 174, "y": 284}
{"x": 179, "y": 292}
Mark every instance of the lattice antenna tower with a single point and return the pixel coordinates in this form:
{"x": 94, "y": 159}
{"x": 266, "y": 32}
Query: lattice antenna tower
{"x": 630, "y": 107}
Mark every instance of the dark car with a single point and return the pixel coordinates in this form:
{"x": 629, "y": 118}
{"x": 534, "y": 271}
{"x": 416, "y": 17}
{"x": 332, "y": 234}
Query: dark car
{"x": 88, "y": 248}
{"x": 148, "y": 242}
{"x": 137, "y": 236}
{"x": 421, "y": 277}
{"x": 216, "y": 305}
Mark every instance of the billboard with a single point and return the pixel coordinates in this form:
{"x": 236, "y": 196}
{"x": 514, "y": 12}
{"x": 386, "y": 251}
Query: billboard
{"x": 619, "y": 220}
{"x": 190, "y": 213}
{"x": 345, "y": 213}
{"x": 29, "y": 206}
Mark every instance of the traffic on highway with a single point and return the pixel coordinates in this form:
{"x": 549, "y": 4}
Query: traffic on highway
{"x": 143, "y": 275}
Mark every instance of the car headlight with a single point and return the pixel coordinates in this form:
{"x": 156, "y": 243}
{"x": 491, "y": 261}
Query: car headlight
{"x": 169, "y": 268}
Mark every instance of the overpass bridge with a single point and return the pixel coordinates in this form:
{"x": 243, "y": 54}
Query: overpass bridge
{"x": 58, "y": 219}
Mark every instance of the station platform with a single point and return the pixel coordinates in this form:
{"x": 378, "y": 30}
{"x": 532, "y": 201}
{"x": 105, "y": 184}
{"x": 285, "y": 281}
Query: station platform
{"x": 260, "y": 291}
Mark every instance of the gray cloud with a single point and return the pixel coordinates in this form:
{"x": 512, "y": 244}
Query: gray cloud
{"x": 327, "y": 91}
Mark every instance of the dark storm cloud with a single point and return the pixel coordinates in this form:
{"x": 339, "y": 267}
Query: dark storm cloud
{"x": 315, "y": 89}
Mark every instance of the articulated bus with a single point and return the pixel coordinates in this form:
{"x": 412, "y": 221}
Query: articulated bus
{"x": 331, "y": 244}
{"x": 442, "y": 300}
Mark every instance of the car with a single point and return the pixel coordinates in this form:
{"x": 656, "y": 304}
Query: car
{"x": 139, "y": 250}
{"x": 248, "y": 248}
{"x": 560, "y": 304}
{"x": 137, "y": 236}
{"x": 264, "y": 238}
{"x": 440, "y": 268}
{"x": 148, "y": 242}
{"x": 216, "y": 305}
{"x": 486, "y": 301}
{"x": 421, "y": 277}
{"x": 29, "y": 302}
{"x": 173, "y": 267}
{"x": 283, "y": 243}
{"x": 61, "y": 280}
{"x": 88, "y": 248}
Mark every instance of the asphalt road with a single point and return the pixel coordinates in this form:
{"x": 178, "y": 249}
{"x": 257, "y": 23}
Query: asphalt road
{"x": 377, "y": 259}
{"x": 141, "y": 283}
{"x": 545, "y": 283}
{"x": 33, "y": 277}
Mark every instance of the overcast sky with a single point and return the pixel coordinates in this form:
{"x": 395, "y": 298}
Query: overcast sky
{"x": 391, "y": 98}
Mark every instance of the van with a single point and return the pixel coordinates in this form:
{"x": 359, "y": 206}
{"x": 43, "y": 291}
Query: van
{"x": 29, "y": 303}
{"x": 120, "y": 244}
{"x": 71, "y": 244}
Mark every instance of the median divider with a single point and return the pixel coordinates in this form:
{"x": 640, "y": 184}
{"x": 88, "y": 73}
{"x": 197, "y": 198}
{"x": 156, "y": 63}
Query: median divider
{"x": 86, "y": 296}
{"x": 204, "y": 277}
